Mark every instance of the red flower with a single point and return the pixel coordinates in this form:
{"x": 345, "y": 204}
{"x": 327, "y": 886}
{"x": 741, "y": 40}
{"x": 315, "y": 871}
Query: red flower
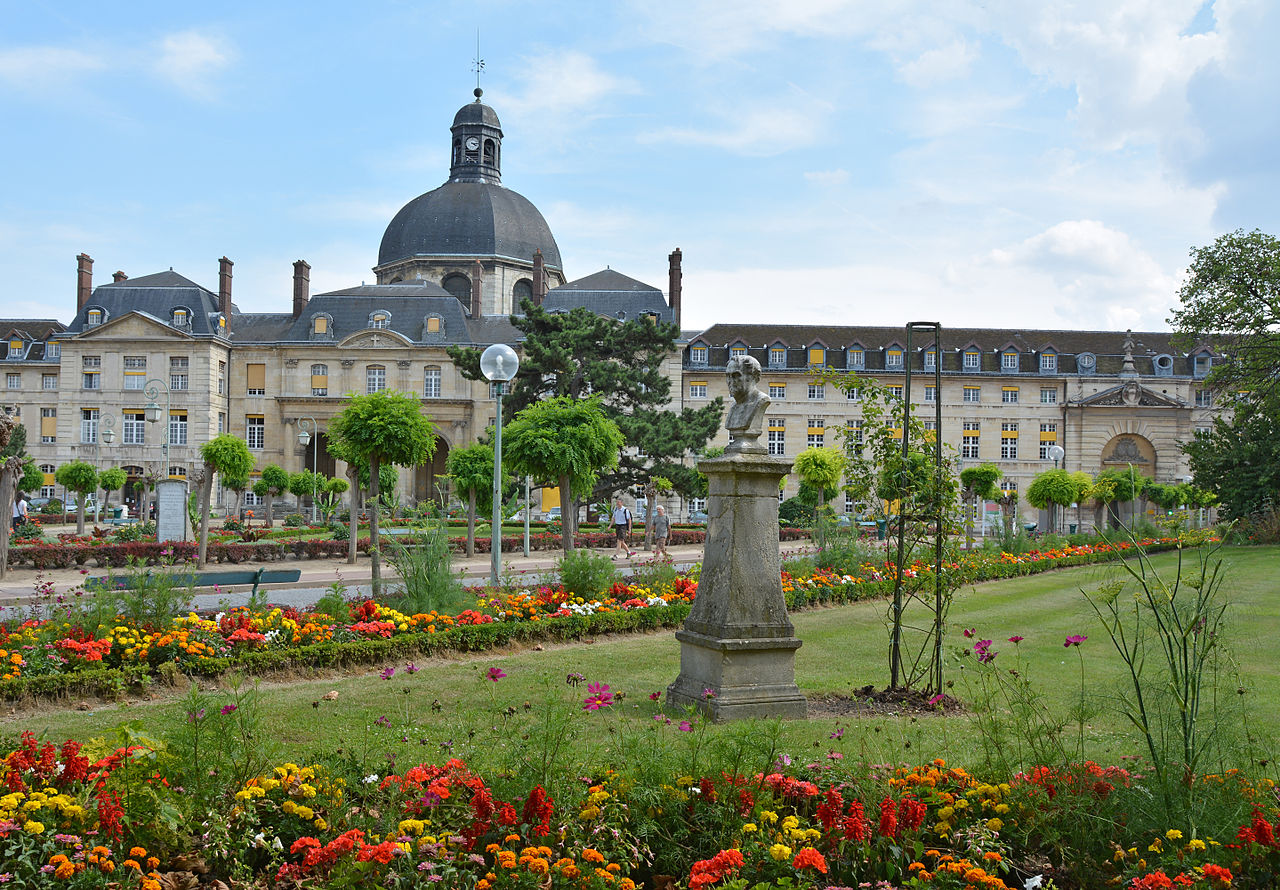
{"x": 810, "y": 858}
{"x": 707, "y": 871}
{"x": 888, "y": 818}
{"x": 830, "y": 809}
{"x": 854, "y": 824}
{"x": 538, "y": 810}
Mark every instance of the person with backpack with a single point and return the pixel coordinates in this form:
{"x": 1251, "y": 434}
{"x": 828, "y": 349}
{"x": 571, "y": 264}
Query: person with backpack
{"x": 19, "y": 510}
{"x": 621, "y": 528}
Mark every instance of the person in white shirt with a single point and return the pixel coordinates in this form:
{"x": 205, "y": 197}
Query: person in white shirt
{"x": 621, "y": 528}
{"x": 19, "y": 510}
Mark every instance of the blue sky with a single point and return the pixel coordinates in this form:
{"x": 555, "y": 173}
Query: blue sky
{"x": 1007, "y": 164}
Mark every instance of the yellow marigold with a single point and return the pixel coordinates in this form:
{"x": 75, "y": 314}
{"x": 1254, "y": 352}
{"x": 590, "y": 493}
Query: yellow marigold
{"x": 626, "y": 884}
{"x": 779, "y": 852}
{"x": 1173, "y": 834}
{"x": 1195, "y": 844}
{"x": 31, "y": 826}
{"x": 995, "y": 824}
{"x": 749, "y": 827}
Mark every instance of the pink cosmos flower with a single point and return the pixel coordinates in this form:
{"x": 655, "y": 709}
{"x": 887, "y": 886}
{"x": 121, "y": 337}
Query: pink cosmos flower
{"x": 495, "y": 674}
{"x": 388, "y": 673}
{"x": 600, "y": 697}
{"x": 227, "y": 709}
{"x": 686, "y": 726}
{"x": 1074, "y": 640}
{"x": 654, "y": 696}
{"x": 1015, "y": 639}
{"x": 411, "y": 668}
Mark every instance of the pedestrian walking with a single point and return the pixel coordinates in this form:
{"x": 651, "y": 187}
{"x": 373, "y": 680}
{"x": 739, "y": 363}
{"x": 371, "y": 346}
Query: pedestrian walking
{"x": 621, "y": 528}
{"x": 19, "y": 511}
{"x": 661, "y": 531}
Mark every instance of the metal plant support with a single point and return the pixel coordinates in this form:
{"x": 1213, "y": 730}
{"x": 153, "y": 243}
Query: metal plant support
{"x": 935, "y": 515}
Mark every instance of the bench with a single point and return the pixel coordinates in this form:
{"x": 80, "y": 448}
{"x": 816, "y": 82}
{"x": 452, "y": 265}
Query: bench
{"x": 212, "y": 579}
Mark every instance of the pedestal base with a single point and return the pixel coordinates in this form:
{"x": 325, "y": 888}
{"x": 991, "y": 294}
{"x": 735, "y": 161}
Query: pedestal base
{"x": 748, "y": 677}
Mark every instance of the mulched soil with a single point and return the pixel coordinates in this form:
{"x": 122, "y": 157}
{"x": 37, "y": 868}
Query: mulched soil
{"x": 871, "y": 702}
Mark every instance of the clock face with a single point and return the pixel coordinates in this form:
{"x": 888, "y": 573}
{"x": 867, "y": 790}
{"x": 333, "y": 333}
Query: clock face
{"x": 472, "y": 143}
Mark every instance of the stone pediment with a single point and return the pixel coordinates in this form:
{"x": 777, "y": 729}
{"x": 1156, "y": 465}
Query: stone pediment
{"x": 134, "y": 325}
{"x": 1128, "y": 395}
{"x": 375, "y": 340}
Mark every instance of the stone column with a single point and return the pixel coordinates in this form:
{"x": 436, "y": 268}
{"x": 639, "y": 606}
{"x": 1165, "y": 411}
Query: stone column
{"x": 738, "y": 641}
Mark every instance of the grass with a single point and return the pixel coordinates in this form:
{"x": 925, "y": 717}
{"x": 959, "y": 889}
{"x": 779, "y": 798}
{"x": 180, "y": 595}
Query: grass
{"x": 449, "y": 706}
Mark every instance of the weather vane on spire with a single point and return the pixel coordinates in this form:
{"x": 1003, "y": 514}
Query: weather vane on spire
{"x": 477, "y": 65}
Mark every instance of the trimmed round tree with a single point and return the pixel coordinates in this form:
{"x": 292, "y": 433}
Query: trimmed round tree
{"x": 31, "y": 479}
{"x": 82, "y": 478}
{"x": 275, "y": 482}
{"x": 109, "y": 481}
{"x": 1054, "y": 488}
{"x": 305, "y": 483}
{"x": 820, "y": 469}
{"x": 977, "y": 483}
{"x": 383, "y": 428}
{"x": 471, "y": 470}
{"x": 229, "y": 457}
{"x": 565, "y": 441}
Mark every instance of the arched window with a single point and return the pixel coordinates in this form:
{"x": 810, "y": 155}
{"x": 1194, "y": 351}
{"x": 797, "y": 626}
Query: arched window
{"x": 490, "y": 153}
{"x": 181, "y": 318}
{"x": 459, "y": 285}
{"x": 375, "y": 377}
{"x": 457, "y": 151}
{"x": 523, "y": 290}
{"x": 320, "y": 324}
{"x": 94, "y": 317}
{"x": 380, "y": 320}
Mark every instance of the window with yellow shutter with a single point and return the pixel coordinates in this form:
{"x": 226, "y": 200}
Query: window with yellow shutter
{"x": 256, "y": 377}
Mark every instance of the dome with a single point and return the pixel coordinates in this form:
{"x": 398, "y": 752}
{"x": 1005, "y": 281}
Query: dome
{"x": 476, "y": 113}
{"x": 480, "y": 219}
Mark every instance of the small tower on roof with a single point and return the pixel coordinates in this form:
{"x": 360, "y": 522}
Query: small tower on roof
{"x": 477, "y": 144}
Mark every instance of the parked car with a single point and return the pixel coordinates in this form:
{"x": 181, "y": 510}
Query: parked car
{"x": 38, "y": 504}
{"x": 698, "y": 517}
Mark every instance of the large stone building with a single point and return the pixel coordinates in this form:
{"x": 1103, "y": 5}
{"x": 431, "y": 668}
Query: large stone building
{"x": 453, "y": 264}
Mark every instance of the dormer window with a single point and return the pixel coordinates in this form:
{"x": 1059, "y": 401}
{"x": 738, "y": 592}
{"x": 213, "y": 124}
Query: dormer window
{"x": 435, "y": 324}
{"x": 817, "y": 356}
{"x": 1163, "y": 365}
{"x": 857, "y": 358}
{"x": 1048, "y": 362}
{"x": 930, "y": 359}
{"x": 893, "y": 358}
{"x": 737, "y": 350}
{"x": 1009, "y": 361}
{"x": 1203, "y": 364}
{"x": 17, "y": 348}
{"x": 777, "y": 356}
{"x": 93, "y": 318}
{"x": 320, "y": 324}
{"x": 52, "y": 350}
{"x": 972, "y": 360}
{"x": 181, "y": 318}
{"x": 379, "y": 320}
{"x": 698, "y": 355}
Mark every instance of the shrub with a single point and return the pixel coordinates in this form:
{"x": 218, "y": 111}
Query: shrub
{"x": 793, "y": 512}
{"x": 295, "y": 520}
{"x": 231, "y": 524}
{"x": 424, "y": 562}
{"x": 586, "y": 574}
{"x": 54, "y": 506}
{"x": 341, "y": 532}
{"x": 29, "y": 530}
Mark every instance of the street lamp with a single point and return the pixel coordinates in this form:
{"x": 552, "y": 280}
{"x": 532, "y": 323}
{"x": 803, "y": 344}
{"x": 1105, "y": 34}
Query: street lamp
{"x": 307, "y": 426}
{"x": 1057, "y": 453}
{"x": 499, "y": 364}
{"x": 152, "y": 391}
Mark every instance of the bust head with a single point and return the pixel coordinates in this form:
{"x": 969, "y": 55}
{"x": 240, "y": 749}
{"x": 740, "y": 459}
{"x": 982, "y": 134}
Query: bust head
{"x": 743, "y": 373}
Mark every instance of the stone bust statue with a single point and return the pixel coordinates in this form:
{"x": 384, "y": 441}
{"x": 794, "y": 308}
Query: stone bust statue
{"x": 746, "y": 417}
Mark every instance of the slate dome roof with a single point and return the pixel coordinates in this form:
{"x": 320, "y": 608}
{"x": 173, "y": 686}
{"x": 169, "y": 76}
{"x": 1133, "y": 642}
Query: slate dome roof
{"x": 479, "y": 219}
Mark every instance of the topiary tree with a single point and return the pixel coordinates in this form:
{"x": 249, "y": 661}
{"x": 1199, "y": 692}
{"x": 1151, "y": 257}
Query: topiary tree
{"x": 109, "y": 481}
{"x": 31, "y": 479}
{"x": 567, "y": 442}
{"x": 977, "y": 483}
{"x": 383, "y": 428}
{"x": 1054, "y": 488}
{"x": 274, "y": 482}
{"x": 82, "y": 478}
{"x": 306, "y": 483}
{"x": 1117, "y": 486}
{"x": 820, "y": 469}
{"x": 228, "y": 456}
{"x": 471, "y": 470}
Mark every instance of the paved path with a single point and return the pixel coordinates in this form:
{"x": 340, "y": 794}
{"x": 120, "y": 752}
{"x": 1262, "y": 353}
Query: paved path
{"x": 18, "y": 590}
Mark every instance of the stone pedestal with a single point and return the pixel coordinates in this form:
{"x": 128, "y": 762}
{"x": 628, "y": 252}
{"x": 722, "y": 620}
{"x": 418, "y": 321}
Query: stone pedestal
{"x": 738, "y": 641}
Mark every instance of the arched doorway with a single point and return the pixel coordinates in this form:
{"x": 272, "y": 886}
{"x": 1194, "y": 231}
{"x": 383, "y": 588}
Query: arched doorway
{"x": 1128, "y": 453}
{"x": 425, "y": 485}
{"x": 317, "y": 457}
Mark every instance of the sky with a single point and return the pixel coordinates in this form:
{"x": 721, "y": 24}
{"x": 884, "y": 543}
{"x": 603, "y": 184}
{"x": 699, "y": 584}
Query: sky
{"x": 997, "y": 163}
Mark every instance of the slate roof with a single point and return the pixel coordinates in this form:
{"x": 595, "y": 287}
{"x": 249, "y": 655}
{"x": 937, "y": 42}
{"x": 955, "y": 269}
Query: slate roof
{"x": 155, "y": 295}
{"x": 1107, "y": 347}
{"x": 33, "y": 332}
{"x": 476, "y": 113}
{"x": 610, "y": 293}
{"x": 469, "y": 219}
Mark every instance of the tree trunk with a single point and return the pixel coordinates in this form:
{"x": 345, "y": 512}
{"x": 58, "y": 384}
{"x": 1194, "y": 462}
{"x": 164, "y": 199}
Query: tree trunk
{"x": 270, "y": 504}
{"x": 818, "y": 517}
{"x": 81, "y": 497}
{"x": 353, "y": 517}
{"x": 106, "y": 502}
{"x": 566, "y": 515}
{"x": 373, "y": 525}
{"x": 650, "y": 500}
{"x": 206, "y": 494}
{"x": 471, "y": 523}
{"x": 9, "y": 473}
{"x": 968, "y": 520}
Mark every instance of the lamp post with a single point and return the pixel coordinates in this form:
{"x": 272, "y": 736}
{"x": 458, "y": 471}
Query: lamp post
{"x": 106, "y": 436}
{"x": 1057, "y": 453}
{"x": 499, "y": 364}
{"x": 307, "y": 433}
{"x": 152, "y": 391}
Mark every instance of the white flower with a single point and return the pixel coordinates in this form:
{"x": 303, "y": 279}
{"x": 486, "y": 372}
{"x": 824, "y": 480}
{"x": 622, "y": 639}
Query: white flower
{"x": 1033, "y": 883}
{"x": 369, "y": 780}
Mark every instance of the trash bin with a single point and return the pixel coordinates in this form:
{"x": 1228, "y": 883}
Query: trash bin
{"x": 882, "y": 528}
{"x": 1071, "y": 527}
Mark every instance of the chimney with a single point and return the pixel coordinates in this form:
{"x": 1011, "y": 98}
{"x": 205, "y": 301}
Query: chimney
{"x": 224, "y": 287}
{"x": 673, "y": 283}
{"x": 477, "y": 276}
{"x": 539, "y": 278}
{"x": 84, "y": 280}
{"x": 119, "y": 276}
{"x": 301, "y": 286}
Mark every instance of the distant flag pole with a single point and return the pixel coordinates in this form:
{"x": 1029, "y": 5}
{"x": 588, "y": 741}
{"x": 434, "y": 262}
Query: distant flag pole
{"x": 477, "y": 64}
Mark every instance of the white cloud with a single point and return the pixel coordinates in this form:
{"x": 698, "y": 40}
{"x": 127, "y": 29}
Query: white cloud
{"x": 557, "y": 86}
{"x": 939, "y": 65}
{"x": 766, "y": 127}
{"x": 40, "y": 68}
{"x": 191, "y": 61}
{"x": 828, "y": 178}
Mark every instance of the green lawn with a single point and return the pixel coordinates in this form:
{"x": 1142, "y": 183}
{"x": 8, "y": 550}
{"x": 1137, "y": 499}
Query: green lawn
{"x": 491, "y": 724}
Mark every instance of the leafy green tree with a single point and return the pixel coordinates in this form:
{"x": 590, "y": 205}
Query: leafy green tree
{"x": 977, "y": 484}
{"x": 305, "y": 483}
{"x": 820, "y": 469}
{"x": 1239, "y": 459}
{"x": 580, "y": 353}
{"x": 109, "y": 481}
{"x": 31, "y": 479}
{"x": 228, "y": 456}
{"x": 331, "y": 496}
{"x": 471, "y": 470}
{"x": 1115, "y": 486}
{"x": 273, "y": 482}
{"x": 383, "y": 428}
{"x": 1231, "y": 298}
{"x": 1054, "y": 488}
{"x": 82, "y": 478}
{"x": 563, "y": 441}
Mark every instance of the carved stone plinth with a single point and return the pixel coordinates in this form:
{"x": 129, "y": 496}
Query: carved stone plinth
{"x": 738, "y": 641}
